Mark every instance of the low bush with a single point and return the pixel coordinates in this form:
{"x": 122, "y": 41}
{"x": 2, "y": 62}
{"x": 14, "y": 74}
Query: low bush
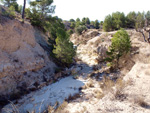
{"x": 9, "y": 13}
{"x": 80, "y": 29}
{"x": 70, "y": 31}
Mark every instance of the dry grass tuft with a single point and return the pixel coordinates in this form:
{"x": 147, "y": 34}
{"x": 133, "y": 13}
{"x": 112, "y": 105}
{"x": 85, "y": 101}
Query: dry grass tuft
{"x": 12, "y": 109}
{"x": 97, "y": 42}
{"x": 76, "y": 76}
{"x": 91, "y": 74}
{"x": 95, "y": 67}
{"x": 90, "y": 84}
{"x": 84, "y": 87}
{"x": 72, "y": 97}
{"x": 140, "y": 101}
{"x": 98, "y": 94}
{"x": 120, "y": 85}
{"x": 91, "y": 43}
{"x": 115, "y": 87}
{"x": 61, "y": 108}
{"x": 119, "y": 95}
{"x": 73, "y": 72}
{"x": 106, "y": 84}
{"x": 57, "y": 109}
{"x": 147, "y": 72}
{"x": 50, "y": 109}
{"x": 84, "y": 110}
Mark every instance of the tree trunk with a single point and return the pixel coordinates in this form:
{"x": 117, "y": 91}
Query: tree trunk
{"x": 149, "y": 37}
{"x": 8, "y": 3}
{"x": 143, "y": 36}
{"x": 140, "y": 30}
{"x": 24, "y": 6}
{"x": 117, "y": 62}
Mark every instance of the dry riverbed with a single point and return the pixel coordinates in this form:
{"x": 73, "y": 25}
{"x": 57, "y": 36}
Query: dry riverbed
{"x": 39, "y": 100}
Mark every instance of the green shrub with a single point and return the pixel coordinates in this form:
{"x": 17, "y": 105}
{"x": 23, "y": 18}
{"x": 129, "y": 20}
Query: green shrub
{"x": 71, "y": 20}
{"x": 35, "y": 17}
{"x": 79, "y": 29}
{"x": 28, "y": 13}
{"x": 70, "y": 31}
{"x": 72, "y": 25}
{"x": 19, "y": 9}
{"x": 63, "y": 49}
{"x": 78, "y": 23}
{"x": 10, "y": 12}
{"x": 120, "y": 46}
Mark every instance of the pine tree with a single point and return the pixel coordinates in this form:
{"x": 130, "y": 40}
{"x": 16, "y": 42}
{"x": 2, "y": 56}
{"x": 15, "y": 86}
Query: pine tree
{"x": 96, "y": 24}
{"x": 10, "y": 3}
{"x": 63, "y": 49}
{"x": 121, "y": 45}
{"x": 130, "y": 19}
{"x": 44, "y": 7}
{"x": 107, "y": 25}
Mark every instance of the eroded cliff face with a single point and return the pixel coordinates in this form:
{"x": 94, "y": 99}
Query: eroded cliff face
{"x": 23, "y": 62}
{"x": 91, "y": 46}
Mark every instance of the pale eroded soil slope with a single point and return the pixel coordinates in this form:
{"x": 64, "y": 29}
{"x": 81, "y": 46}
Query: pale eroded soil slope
{"x": 22, "y": 60}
